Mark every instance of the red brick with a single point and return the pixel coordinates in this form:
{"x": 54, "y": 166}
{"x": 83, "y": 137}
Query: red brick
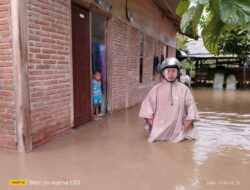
{"x": 43, "y": 56}
{"x": 4, "y": 22}
{"x": 5, "y": 51}
{"x": 4, "y": 27}
{"x": 48, "y": 29}
{"x": 34, "y": 15}
{"x": 44, "y": 74}
{"x": 5, "y": 57}
{"x": 35, "y": 50}
{"x": 41, "y": 44}
{"x": 7, "y": 132}
{"x": 6, "y": 76}
{"x": 48, "y": 40}
{"x": 4, "y": 40}
{"x": 4, "y": 7}
{"x": 41, "y": 22}
{"x": 34, "y": 38}
{"x": 63, "y": 62}
{"x": 8, "y": 81}
{"x": 43, "y": 67}
{"x": 5, "y": 46}
{"x": 48, "y": 18}
{"x": 34, "y": 26}
{"x": 49, "y": 51}
{"x": 42, "y": 33}
{"x": 49, "y": 61}
{"x": 4, "y": 14}
{"x": 62, "y": 2}
{"x": 34, "y": 61}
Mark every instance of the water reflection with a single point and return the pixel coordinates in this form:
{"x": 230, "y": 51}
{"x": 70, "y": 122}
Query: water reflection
{"x": 224, "y": 123}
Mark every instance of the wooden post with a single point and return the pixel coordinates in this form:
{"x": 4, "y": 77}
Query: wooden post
{"x": 21, "y": 83}
{"x": 196, "y": 72}
{"x": 109, "y": 47}
{"x": 244, "y": 75}
{"x": 191, "y": 69}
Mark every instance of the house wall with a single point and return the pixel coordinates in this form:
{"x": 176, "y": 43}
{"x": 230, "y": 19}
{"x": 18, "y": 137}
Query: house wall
{"x": 147, "y": 18}
{"x": 50, "y": 68}
{"x": 171, "y": 52}
{"x": 49, "y": 65}
{"x": 125, "y": 90}
{"x": 7, "y": 103}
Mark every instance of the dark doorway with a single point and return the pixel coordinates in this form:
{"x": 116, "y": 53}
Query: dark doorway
{"x": 99, "y": 53}
{"x": 81, "y": 65}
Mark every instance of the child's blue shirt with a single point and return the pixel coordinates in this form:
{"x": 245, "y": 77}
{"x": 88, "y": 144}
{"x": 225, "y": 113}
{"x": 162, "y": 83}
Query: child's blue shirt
{"x": 96, "y": 89}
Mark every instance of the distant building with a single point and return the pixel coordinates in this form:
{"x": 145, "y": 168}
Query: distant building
{"x": 206, "y": 64}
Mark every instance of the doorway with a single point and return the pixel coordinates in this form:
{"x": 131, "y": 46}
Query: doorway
{"x": 81, "y": 65}
{"x": 99, "y": 53}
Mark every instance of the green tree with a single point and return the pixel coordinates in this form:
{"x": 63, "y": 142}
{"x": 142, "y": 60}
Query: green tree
{"x": 223, "y": 19}
{"x": 181, "y": 42}
{"x": 235, "y": 41}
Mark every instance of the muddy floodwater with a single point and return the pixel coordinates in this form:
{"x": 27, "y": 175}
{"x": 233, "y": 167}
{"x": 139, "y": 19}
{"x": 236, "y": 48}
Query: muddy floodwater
{"x": 113, "y": 153}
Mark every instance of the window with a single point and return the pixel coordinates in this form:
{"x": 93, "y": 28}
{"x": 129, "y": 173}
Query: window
{"x": 165, "y": 51}
{"x": 141, "y": 58}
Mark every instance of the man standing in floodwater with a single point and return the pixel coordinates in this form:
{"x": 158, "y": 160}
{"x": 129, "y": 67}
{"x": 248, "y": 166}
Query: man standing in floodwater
{"x": 169, "y": 109}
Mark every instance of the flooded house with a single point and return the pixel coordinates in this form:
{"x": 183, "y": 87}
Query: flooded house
{"x": 49, "y": 50}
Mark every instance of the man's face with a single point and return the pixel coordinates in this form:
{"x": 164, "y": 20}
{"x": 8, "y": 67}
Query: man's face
{"x": 170, "y": 74}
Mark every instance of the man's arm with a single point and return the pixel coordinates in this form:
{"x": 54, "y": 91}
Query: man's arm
{"x": 149, "y": 122}
{"x": 192, "y": 112}
{"x": 188, "y": 124}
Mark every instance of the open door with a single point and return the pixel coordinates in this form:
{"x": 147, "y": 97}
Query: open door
{"x": 99, "y": 53}
{"x": 81, "y": 65}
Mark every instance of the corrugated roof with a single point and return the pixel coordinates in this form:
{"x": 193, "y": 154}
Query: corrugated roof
{"x": 196, "y": 49}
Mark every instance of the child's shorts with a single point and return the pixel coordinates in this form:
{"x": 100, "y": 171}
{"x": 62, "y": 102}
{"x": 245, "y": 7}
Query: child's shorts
{"x": 97, "y": 102}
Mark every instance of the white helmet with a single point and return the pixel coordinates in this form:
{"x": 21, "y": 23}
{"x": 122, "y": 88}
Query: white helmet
{"x": 169, "y": 63}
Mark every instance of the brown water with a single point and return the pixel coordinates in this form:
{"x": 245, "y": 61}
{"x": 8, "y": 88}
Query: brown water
{"x": 113, "y": 153}
{"x": 224, "y": 124}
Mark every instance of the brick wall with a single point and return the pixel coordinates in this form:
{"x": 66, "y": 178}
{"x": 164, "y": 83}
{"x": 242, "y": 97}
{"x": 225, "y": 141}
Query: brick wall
{"x": 119, "y": 65}
{"x": 159, "y": 51}
{"x": 7, "y": 115}
{"x": 171, "y": 52}
{"x": 148, "y": 59}
{"x": 126, "y": 89}
{"x": 133, "y": 67}
{"x": 49, "y": 68}
{"x": 159, "y": 48}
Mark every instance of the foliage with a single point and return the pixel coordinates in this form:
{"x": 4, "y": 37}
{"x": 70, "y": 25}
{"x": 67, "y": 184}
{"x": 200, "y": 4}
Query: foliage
{"x": 181, "y": 42}
{"x": 235, "y": 41}
{"x": 220, "y": 20}
{"x": 190, "y": 20}
{"x": 185, "y": 65}
{"x": 182, "y": 7}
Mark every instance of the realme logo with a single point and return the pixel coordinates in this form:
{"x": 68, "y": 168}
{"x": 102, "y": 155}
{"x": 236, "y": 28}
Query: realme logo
{"x": 17, "y": 182}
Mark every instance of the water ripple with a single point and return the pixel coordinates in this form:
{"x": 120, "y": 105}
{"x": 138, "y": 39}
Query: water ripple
{"x": 221, "y": 130}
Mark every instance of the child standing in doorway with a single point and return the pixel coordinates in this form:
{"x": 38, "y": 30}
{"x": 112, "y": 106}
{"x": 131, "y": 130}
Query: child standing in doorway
{"x": 97, "y": 93}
